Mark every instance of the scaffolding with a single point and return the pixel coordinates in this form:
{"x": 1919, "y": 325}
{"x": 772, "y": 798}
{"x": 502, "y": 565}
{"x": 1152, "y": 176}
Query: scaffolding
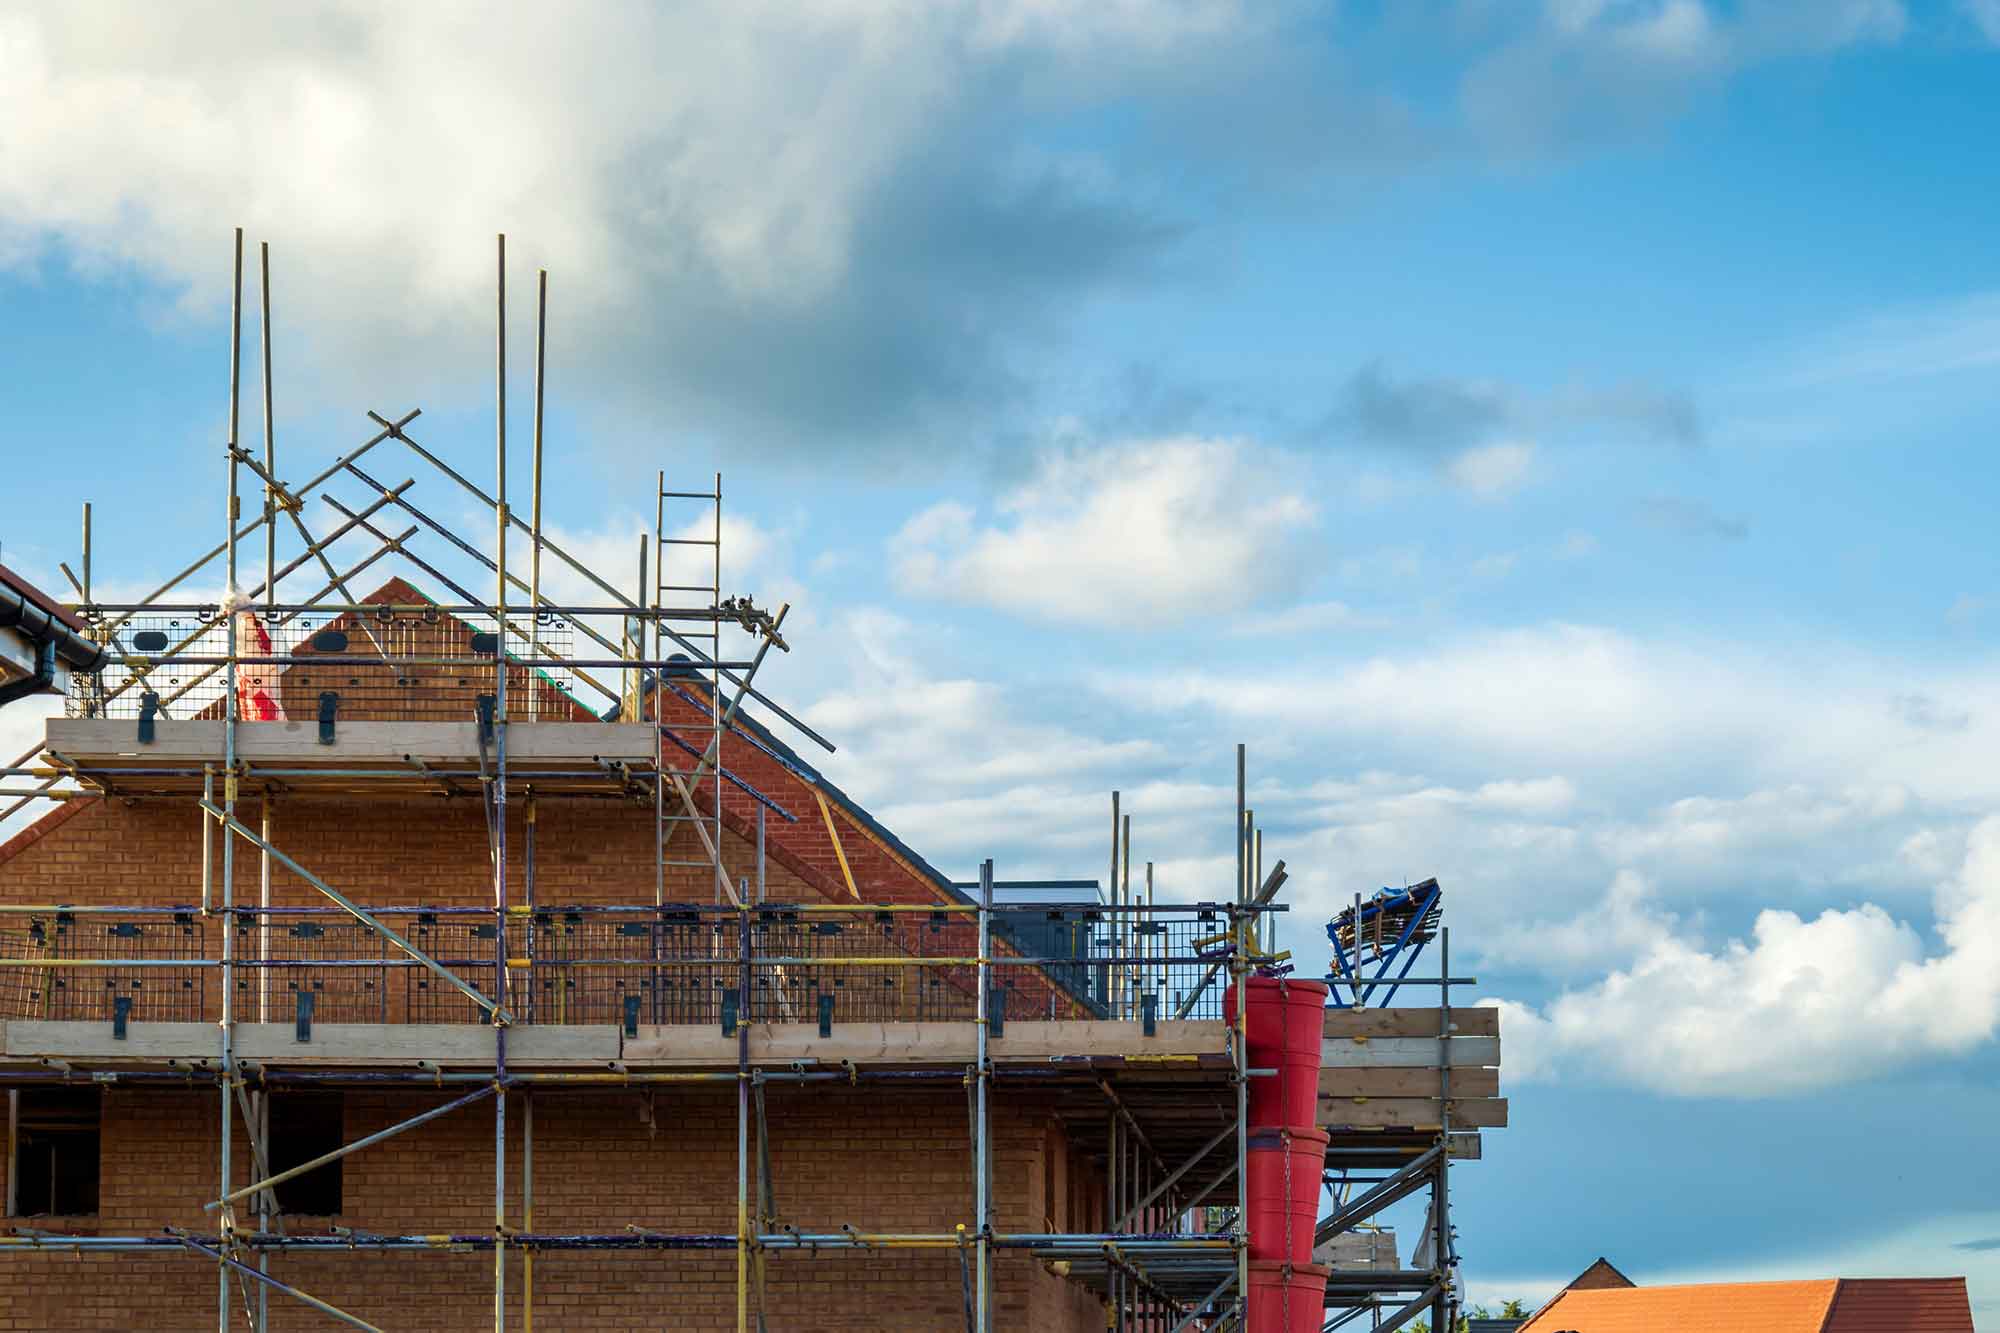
{"x": 480, "y": 672}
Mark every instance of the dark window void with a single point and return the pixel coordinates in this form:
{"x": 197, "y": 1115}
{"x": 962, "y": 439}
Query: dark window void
{"x": 305, "y": 1126}
{"x": 56, "y": 1142}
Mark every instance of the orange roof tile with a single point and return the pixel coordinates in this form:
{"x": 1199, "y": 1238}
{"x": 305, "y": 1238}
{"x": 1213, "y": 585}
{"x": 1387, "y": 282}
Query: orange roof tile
{"x": 1901, "y": 1305}
{"x": 1719, "y": 1307}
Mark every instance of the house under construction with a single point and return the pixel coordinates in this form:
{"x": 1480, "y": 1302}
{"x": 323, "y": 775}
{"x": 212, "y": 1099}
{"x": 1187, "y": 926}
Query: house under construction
{"x": 406, "y": 947}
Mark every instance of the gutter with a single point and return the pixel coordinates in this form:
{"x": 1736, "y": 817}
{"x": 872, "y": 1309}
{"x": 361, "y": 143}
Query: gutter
{"x": 52, "y": 638}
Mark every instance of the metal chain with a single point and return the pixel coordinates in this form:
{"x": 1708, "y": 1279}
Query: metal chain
{"x": 1285, "y": 1301}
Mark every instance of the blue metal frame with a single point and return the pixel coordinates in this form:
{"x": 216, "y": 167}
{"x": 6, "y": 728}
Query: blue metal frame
{"x": 1422, "y": 903}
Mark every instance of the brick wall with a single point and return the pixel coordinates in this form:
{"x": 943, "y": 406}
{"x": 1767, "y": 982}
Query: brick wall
{"x": 876, "y": 1159}
{"x": 602, "y": 1161}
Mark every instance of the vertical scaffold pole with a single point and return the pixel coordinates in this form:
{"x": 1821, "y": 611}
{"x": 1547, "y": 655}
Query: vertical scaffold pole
{"x": 982, "y": 1148}
{"x": 1126, "y": 923}
{"x": 1112, "y": 990}
{"x": 500, "y": 804}
{"x": 229, "y": 710}
{"x": 1256, "y": 881}
{"x": 715, "y": 693}
{"x": 1442, "y": 1307}
{"x": 743, "y": 1121}
{"x": 1239, "y": 974}
{"x": 261, "y": 1130}
{"x": 528, "y": 1209}
{"x": 528, "y": 1097}
{"x": 535, "y": 485}
{"x": 659, "y": 738}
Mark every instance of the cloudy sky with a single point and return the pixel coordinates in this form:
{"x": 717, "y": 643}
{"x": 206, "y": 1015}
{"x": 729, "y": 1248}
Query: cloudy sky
{"x": 1550, "y": 435}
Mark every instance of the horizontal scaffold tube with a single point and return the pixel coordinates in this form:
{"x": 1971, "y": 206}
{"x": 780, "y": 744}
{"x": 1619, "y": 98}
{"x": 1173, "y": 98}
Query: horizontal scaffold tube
{"x": 634, "y": 1239}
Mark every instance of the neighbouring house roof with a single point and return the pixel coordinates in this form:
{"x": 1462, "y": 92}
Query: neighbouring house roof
{"x": 1901, "y": 1305}
{"x": 1599, "y": 1276}
{"x": 1823, "y": 1305}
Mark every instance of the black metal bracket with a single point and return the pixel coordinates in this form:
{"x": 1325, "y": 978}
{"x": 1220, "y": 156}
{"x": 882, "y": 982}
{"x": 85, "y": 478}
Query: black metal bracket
{"x": 484, "y": 706}
{"x": 826, "y": 1015}
{"x": 1149, "y": 1014}
{"x": 303, "y": 1026}
{"x": 329, "y": 703}
{"x": 149, "y": 704}
{"x": 121, "y": 1013}
{"x": 729, "y": 1013}
{"x": 996, "y": 1013}
{"x": 631, "y": 1015}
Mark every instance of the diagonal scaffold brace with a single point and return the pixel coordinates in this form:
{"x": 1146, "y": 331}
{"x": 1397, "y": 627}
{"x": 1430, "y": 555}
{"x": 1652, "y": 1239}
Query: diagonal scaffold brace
{"x": 304, "y": 1297}
{"x": 500, "y": 1016}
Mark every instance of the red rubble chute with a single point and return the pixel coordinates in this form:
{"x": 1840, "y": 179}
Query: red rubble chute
{"x": 256, "y": 700}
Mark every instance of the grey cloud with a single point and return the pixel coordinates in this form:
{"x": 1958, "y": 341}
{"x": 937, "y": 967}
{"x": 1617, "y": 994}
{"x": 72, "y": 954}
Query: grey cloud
{"x": 1924, "y": 712}
{"x": 1690, "y": 518}
{"x": 843, "y": 228}
{"x": 1430, "y": 414}
{"x": 1441, "y": 414}
{"x": 1563, "y": 78}
{"x": 954, "y": 266}
{"x": 1983, "y": 1243}
{"x": 1663, "y": 414}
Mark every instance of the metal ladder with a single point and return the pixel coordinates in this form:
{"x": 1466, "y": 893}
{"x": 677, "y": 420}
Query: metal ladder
{"x": 706, "y": 637}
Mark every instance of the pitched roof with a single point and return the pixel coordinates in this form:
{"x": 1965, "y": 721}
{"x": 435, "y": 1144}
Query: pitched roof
{"x": 1823, "y": 1305}
{"x": 1714, "y": 1307}
{"x": 1599, "y": 1276}
{"x": 1901, "y": 1305}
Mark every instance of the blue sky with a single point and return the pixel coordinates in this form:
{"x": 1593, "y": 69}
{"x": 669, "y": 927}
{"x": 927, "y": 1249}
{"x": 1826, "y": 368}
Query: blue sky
{"x": 1555, "y": 437}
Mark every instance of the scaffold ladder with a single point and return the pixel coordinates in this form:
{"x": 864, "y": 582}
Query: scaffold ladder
{"x": 672, "y": 542}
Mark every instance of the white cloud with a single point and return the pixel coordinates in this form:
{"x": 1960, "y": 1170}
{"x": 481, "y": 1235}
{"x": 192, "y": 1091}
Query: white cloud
{"x": 1537, "y": 695}
{"x": 1135, "y": 534}
{"x": 745, "y": 207}
{"x": 1305, "y": 618}
{"x": 1800, "y": 1004}
{"x": 22, "y": 727}
{"x": 1558, "y": 696}
{"x": 1985, "y": 14}
{"x": 1623, "y": 924}
{"x": 1679, "y": 31}
{"x": 1577, "y": 545}
{"x": 1492, "y": 471}
{"x": 1951, "y": 337}
{"x": 965, "y": 768}
{"x": 1585, "y": 69}
{"x": 1725, "y": 829}
{"x": 1399, "y": 562}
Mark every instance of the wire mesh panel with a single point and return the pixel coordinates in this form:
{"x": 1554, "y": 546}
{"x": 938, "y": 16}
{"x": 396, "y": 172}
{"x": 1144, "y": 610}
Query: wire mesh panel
{"x": 464, "y": 948}
{"x": 26, "y": 992}
{"x": 157, "y": 994}
{"x": 349, "y": 984}
{"x": 144, "y": 659}
{"x": 585, "y": 971}
{"x": 801, "y": 958}
{"x": 700, "y": 959}
{"x": 1083, "y": 963}
{"x": 381, "y": 664}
